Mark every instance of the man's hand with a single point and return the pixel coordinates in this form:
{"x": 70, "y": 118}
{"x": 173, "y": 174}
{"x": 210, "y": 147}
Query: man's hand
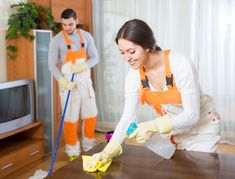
{"x": 65, "y": 84}
{"x": 77, "y": 68}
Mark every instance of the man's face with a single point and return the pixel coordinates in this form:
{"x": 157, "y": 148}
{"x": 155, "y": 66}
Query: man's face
{"x": 69, "y": 25}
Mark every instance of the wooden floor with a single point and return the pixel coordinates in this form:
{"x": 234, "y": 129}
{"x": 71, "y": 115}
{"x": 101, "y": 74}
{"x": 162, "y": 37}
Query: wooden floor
{"x": 62, "y": 159}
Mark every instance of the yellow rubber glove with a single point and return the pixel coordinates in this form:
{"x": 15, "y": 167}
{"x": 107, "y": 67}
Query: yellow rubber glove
{"x": 99, "y": 165}
{"x": 65, "y": 84}
{"x": 77, "y": 68}
{"x": 101, "y": 161}
{"x": 145, "y": 130}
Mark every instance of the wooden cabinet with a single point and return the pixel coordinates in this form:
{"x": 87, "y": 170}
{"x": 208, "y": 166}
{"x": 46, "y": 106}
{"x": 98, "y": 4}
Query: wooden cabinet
{"x": 46, "y": 3}
{"x": 83, "y": 9}
{"x": 32, "y": 63}
{"x": 78, "y": 5}
{"x": 20, "y": 148}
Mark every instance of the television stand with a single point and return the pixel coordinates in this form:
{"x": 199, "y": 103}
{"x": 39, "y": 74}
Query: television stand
{"x": 20, "y": 148}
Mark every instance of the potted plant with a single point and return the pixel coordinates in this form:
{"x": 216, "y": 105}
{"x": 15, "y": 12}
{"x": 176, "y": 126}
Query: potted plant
{"x": 27, "y": 16}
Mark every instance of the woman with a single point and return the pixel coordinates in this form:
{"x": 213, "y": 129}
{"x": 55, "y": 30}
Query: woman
{"x": 167, "y": 81}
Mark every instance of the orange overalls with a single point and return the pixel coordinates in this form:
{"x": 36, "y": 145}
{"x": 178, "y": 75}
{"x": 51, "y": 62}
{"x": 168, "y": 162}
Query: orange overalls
{"x": 209, "y": 122}
{"x": 157, "y": 98}
{"x": 82, "y": 99}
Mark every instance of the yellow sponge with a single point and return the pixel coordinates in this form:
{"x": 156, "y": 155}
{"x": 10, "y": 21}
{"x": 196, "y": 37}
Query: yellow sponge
{"x": 100, "y": 166}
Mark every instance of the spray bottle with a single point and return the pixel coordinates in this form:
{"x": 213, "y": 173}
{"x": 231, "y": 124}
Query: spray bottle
{"x": 157, "y": 143}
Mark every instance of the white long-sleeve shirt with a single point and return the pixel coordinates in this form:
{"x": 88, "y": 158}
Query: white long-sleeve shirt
{"x": 182, "y": 116}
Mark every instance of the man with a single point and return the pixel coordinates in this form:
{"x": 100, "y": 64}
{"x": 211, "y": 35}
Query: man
{"x": 76, "y": 50}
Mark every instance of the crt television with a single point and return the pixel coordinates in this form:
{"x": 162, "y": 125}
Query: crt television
{"x": 17, "y": 106}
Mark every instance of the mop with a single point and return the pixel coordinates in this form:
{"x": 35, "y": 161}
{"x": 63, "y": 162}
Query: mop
{"x": 40, "y": 174}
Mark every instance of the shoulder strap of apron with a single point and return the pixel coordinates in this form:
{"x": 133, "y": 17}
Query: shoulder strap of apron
{"x": 169, "y": 75}
{"x": 144, "y": 85}
{"x": 81, "y": 38}
{"x": 67, "y": 41}
{"x": 70, "y": 42}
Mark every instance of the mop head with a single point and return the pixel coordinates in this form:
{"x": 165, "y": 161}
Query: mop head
{"x": 39, "y": 174}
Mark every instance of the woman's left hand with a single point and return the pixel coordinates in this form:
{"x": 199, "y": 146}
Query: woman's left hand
{"x": 145, "y": 130}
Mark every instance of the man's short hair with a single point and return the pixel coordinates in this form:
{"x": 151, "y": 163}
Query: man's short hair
{"x": 68, "y": 13}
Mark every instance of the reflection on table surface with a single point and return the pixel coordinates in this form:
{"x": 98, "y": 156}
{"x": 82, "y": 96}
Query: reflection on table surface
{"x": 139, "y": 162}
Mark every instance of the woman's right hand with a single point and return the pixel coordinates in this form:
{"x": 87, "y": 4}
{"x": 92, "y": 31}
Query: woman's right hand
{"x": 99, "y": 160}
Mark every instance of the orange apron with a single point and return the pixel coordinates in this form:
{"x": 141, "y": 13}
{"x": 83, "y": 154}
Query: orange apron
{"x": 157, "y": 98}
{"x": 73, "y": 109}
{"x": 208, "y": 125}
{"x": 72, "y": 55}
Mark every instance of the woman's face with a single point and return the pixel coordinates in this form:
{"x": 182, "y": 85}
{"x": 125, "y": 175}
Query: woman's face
{"x": 134, "y": 54}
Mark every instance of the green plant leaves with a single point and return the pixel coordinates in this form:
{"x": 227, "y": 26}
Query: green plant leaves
{"x": 28, "y": 16}
{"x": 11, "y": 52}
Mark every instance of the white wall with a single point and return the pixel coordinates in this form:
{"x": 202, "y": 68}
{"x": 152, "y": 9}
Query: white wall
{"x": 4, "y": 6}
{"x": 3, "y": 70}
{"x": 5, "y": 13}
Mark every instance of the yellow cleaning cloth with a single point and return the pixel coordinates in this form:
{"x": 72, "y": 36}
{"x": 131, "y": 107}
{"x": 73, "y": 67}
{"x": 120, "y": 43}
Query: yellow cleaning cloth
{"x": 100, "y": 166}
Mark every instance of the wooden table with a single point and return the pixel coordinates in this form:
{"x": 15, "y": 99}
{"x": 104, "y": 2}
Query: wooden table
{"x": 138, "y": 162}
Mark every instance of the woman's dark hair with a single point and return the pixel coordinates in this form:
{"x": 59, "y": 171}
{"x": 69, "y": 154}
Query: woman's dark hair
{"x": 68, "y": 13}
{"x": 138, "y": 32}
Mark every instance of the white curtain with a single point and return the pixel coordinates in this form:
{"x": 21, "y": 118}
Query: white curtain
{"x": 216, "y": 59}
{"x": 203, "y": 30}
{"x": 5, "y": 12}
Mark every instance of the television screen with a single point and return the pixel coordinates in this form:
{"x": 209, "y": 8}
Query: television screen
{"x": 14, "y": 103}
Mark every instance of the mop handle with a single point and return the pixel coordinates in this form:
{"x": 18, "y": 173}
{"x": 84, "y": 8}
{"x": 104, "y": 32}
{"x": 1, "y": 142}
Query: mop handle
{"x": 60, "y": 130}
